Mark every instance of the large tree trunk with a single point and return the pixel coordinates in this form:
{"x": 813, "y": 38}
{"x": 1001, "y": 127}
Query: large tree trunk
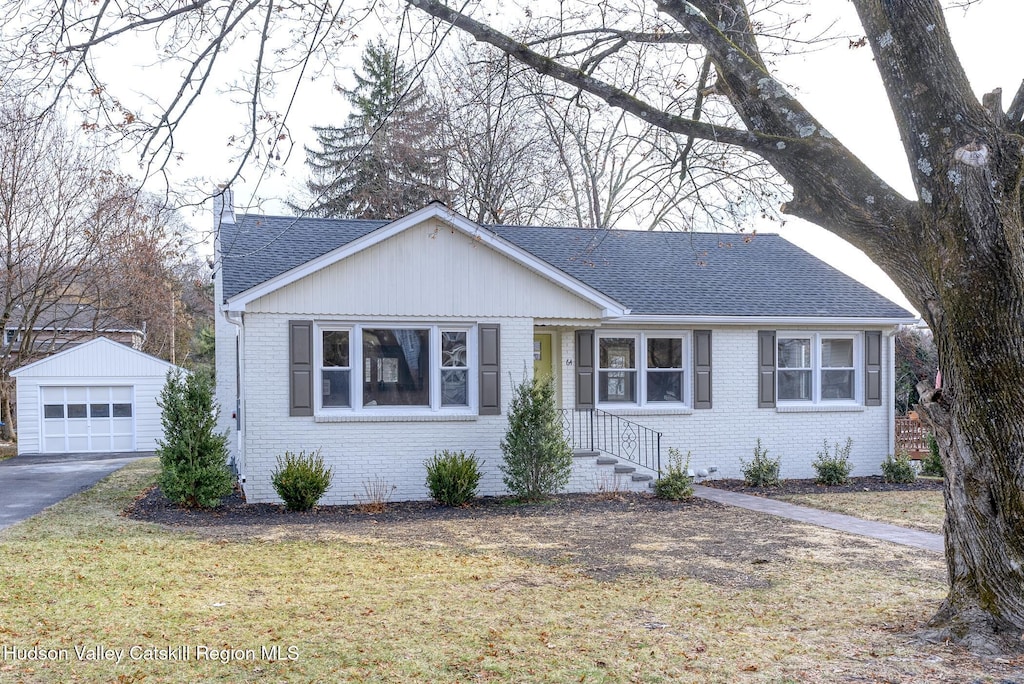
{"x": 978, "y": 419}
{"x": 7, "y": 430}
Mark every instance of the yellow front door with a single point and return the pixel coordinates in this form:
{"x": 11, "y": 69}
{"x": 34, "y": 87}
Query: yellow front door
{"x": 542, "y": 367}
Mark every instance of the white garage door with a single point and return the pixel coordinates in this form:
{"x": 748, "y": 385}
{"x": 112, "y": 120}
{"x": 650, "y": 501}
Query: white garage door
{"x": 88, "y": 419}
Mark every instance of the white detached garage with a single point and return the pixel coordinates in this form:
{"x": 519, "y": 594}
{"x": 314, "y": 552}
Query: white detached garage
{"x": 98, "y": 396}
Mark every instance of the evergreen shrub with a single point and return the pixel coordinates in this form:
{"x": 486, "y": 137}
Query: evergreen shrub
{"x": 452, "y": 477}
{"x": 194, "y": 469}
{"x": 833, "y": 468}
{"x": 301, "y": 480}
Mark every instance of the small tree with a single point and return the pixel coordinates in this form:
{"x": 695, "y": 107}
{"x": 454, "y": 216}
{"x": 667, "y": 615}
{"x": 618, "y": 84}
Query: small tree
{"x": 193, "y": 457}
{"x": 538, "y": 461}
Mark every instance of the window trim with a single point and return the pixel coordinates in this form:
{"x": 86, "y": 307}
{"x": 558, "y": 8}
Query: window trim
{"x": 641, "y": 369}
{"x": 817, "y": 337}
{"x": 355, "y": 341}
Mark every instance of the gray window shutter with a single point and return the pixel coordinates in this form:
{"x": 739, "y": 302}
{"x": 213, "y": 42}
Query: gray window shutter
{"x": 701, "y": 369}
{"x": 873, "y": 368}
{"x": 490, "y": 369}
{"x": 584, "y": 369}
{"x": 765, "y": 368}
{"x": 300, "y": 367}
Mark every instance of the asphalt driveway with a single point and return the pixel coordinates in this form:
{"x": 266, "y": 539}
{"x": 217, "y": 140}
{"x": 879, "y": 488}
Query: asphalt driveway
{"x": 30, "y": 483}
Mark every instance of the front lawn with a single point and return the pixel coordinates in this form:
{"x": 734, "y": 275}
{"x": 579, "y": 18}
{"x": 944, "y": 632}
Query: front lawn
{"x": 922, "y": 510}
{"x": 700, "y": 594}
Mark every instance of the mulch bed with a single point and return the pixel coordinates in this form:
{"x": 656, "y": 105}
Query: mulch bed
{"x": 153, "y": 506}
{"x": 871, "y": 483}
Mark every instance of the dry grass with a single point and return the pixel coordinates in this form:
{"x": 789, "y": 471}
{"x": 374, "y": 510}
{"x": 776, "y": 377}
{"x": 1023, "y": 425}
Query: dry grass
{"x": 920, "y": 510}
{"x": 8, "y": 450}
{"x": 456, "y": 602}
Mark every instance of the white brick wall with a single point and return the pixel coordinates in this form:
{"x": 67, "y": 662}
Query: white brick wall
{"x": 720, "y": 436}
{"x": 360, "y": 451}
{"x": 225, "y": 393}
{"x": 395, "y": 450}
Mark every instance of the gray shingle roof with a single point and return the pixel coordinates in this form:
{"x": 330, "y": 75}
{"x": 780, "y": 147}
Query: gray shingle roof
{"x": 258, "y": 248}
{"x": 651, "y": 273}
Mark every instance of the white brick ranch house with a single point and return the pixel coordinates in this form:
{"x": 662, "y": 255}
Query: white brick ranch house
{"x": 381, "y": 342}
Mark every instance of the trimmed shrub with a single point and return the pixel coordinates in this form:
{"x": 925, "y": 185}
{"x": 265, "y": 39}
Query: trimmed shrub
{"x": 194, "y": 468}
{"x": 834, "y": 468}
{"x": 301, "y": 480}
{"x": 932, "y": 463}
{"x": 898, "y": 470}
{"x": 675, "y": 483}
{"x": 452, "y": 477}
{"x": 761, "y": 471}
{"x": 537, "y": 459}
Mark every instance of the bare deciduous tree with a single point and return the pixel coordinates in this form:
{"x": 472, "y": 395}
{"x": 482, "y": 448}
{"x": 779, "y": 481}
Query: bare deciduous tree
{"x": 499, "y": 167}
{"x": 81, "y": 251}
{"x": 59, "y": 206}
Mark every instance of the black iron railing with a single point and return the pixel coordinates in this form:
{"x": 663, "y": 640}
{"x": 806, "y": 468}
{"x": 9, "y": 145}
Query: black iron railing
{"x": 597, "y": 430}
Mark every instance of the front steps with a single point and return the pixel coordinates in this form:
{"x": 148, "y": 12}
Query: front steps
{"x": 613, "y": 474}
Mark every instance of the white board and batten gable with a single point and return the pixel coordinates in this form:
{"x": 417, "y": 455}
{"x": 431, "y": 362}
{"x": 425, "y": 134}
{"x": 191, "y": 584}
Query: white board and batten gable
{"x": 430, "y": 263}
{"x": 96, "y": 397}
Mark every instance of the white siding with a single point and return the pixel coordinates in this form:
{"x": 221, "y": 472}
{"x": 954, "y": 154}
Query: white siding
{"x": 146, "y": 412}
{"x": 99, "y": 363}
{"x": 99, "y": 358}
{"x": 28, "y": 416}
{"x": 427, "y": 270}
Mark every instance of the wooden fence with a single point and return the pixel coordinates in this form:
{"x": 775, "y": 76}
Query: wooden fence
{"x": 910, "y": 437}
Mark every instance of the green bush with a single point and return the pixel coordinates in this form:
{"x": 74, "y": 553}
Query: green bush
{"x": 301, "y": 480}
{"x": 452, "y": 477}
{"x": 932, "y": 463}
{"x": 194, "y": 469}
{"x": 898, "y": 470}
{"x": 537, "y": 459}
{"x": 761, "y": 471}
{"x": 675, "y": 483}
{"x": 834, "y": 468}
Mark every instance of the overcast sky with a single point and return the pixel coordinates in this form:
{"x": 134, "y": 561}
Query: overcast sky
{"x": 838, "y": 85}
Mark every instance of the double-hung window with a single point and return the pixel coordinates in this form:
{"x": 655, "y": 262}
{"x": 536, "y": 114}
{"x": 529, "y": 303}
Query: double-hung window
{"x": 336, "y": 369}
{"x": 665, "y": 369}
{"x": 617, "y": 374}
{"x": 642, "y": 369}
{"x": 363, "y": 367}
{"x": 817, "y": 367}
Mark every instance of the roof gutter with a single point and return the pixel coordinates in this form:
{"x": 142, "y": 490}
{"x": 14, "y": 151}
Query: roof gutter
{"x": 760, "y": 320}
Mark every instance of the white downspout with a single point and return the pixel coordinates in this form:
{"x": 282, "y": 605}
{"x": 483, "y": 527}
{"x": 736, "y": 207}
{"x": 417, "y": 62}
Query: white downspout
{"x": 891, "y": 411}
{"x": 235, "y": 319}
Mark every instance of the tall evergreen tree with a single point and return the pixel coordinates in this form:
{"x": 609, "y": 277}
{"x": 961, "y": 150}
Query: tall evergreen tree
{"x": 387, "y": 160}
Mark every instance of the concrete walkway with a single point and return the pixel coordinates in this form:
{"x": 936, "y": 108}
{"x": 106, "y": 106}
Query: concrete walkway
{"x": 835, "y": 521}
{"x": 31, "y": 482}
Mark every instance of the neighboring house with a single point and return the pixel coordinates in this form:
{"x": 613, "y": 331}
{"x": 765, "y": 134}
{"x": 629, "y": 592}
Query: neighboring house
{"x": 97, "y": 396}
{"x": 379, "y": 343}
{"x": 64, "y": 324}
